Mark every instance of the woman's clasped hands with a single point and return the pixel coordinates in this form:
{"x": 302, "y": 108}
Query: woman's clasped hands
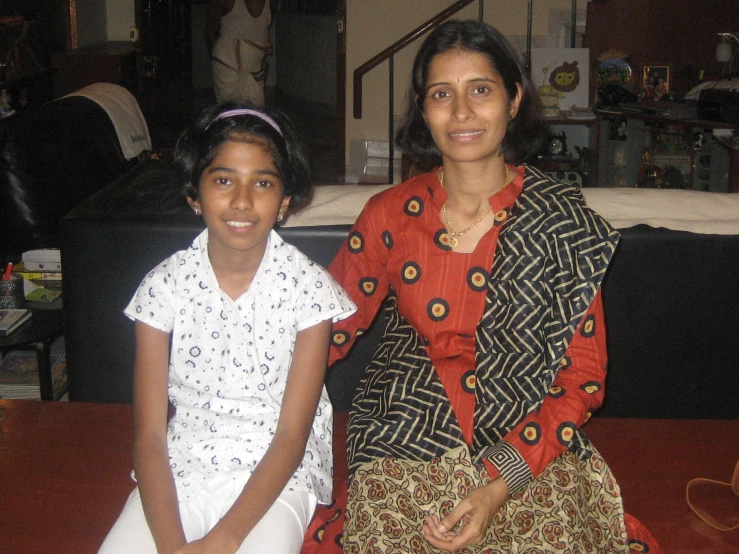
{"x": 467, "y": 523}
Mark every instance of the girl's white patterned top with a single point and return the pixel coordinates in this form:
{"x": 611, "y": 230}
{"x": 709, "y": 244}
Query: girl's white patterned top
{"x": 229, "y": 361}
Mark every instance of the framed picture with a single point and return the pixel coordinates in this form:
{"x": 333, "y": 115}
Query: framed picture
{"x": 655, "y": 81}
{"x": 562, "y": 78}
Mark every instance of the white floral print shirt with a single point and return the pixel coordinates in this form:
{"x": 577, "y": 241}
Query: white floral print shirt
{"x": 229, "y": 361}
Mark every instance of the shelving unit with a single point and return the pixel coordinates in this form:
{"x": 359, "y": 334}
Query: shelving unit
{"x": 684, "y": 150}
{"x": 579, "y": 161}
{"x": 607, "y": 152}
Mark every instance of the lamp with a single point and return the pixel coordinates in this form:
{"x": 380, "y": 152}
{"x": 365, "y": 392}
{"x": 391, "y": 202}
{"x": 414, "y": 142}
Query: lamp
{"x": 724, "y": 50}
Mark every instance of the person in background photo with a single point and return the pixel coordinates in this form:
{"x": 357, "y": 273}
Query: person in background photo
{"x": 237, "y": 37}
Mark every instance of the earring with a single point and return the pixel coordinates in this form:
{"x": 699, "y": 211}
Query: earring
{"x": 197, "y": 212}
{"x": 279, "y": 217}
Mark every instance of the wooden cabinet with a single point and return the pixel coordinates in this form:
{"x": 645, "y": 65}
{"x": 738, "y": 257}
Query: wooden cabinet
{"x": 109, "y": 62}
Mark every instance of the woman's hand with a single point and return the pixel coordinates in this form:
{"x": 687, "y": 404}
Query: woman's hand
{"x": 469, "y": 521}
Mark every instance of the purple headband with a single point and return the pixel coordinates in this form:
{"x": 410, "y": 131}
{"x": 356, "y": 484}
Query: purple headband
{"x": 246, "y": 111}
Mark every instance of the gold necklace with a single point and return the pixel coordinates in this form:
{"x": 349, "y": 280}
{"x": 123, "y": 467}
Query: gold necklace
{"x": 453, "y": 242}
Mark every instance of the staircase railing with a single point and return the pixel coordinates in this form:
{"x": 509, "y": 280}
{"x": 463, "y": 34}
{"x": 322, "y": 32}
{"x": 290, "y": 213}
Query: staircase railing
{"x": 388, "y": 54}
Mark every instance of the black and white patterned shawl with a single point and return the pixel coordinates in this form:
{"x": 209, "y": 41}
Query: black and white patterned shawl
{"x": 550, "y": 260}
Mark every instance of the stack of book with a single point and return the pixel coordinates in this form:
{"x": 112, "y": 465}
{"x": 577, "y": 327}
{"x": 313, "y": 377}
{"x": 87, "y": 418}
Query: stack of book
{"x": 40, "y": 285}
{"x": 12, "y": 319}
{"x": 19, "y": 376}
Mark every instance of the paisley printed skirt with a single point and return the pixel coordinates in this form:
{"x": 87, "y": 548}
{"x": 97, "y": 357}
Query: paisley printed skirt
{"x": 574, "y": 506}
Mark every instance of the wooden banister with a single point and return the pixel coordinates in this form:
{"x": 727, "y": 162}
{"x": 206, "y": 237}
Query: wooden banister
{"x": 399, "y": 45}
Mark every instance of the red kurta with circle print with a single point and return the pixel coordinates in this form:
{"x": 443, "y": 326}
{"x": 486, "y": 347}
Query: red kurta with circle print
{"x": 400, "y": 241}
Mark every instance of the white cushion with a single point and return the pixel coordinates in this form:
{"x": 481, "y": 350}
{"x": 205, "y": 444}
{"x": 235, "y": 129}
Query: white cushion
{"x": 681, "y": 210}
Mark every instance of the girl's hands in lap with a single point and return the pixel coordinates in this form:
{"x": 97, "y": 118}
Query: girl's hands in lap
{"x": 209, "y": 544}
{"x": 468, "y": 522}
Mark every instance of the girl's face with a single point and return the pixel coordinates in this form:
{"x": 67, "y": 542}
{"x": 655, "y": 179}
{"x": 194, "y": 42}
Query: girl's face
{"x": 466, "y": 105}
{"x": 240, "y": 197}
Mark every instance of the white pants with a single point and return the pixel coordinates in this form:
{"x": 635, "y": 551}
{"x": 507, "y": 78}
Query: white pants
{"x": 280, "y": 531}
{"x": 233, "y": 64}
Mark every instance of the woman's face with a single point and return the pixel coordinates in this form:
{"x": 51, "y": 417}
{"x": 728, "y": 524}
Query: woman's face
{"x": 466, "y": 106}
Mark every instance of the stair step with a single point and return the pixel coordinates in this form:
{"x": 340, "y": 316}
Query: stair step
{"x": 362, "y": 149}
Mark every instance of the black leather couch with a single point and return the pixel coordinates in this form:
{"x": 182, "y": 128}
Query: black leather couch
{"x": 51, "y": 158}
{"x": 671, "y": 301}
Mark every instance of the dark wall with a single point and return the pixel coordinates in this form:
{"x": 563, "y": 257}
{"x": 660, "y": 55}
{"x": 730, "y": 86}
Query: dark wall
{"x": 50, "y": 30}
{"x": 681, "y": 34}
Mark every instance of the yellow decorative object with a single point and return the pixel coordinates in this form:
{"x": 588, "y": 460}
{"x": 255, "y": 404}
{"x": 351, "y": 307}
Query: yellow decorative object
{"x": 549, "y": 98}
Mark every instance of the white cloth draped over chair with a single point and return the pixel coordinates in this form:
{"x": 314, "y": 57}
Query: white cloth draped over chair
{"x": 125, "y": 113}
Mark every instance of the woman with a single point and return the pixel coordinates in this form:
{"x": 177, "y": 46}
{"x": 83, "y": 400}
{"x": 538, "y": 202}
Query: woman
{"x": 465, "y": 431}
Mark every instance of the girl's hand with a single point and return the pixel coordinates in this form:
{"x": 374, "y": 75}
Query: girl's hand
{"x": 191, "y": 547}
{"x": 469, "y": 521}
{"x": 199, "y": 546}
{"x": 212, "y": 543}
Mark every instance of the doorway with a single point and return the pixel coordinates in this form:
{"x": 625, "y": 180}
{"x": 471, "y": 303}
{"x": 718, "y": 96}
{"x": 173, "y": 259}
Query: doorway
{"x": 307, "y": 71}
{"x": 164, "y": 67}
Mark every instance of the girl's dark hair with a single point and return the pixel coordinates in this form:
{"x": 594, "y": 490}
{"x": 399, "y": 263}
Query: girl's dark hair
{"x": 526, "y": 132}
{"x": 199, "y": 144}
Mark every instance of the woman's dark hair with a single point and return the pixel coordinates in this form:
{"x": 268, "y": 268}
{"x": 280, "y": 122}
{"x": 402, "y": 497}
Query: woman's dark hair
{"x": 526, "y": 132}
{"x": 198, "y": 146}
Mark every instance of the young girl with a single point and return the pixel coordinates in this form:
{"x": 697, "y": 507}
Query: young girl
{"x": 234, "y": 333}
